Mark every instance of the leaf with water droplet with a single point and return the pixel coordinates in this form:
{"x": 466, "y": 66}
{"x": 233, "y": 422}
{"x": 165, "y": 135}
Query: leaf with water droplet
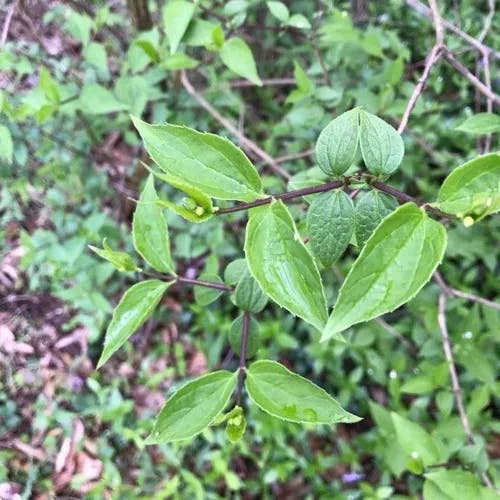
{"x": 288, "y": 396}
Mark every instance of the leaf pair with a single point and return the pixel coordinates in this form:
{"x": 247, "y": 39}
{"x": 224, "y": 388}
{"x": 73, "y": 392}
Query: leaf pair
{"x": 271, "y": 386}
{"x": 381, "y": 146}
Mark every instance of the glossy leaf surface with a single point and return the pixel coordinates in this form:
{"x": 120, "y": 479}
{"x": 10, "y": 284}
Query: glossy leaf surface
{"x": 207, "y": 162}
{"x": 193, "y": 407}
{"x": 134, "y": 308}
{"x": 473, "y": 189}
{"x": 150, "y": 230}
{"x": 282, "y": 265}
{"x": 397, "y": 260}
{"x": 288, "y": 396}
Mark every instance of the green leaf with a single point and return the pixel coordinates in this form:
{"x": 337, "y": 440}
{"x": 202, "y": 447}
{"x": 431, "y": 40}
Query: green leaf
{"x": 415, "y": 441}
{"x": 238, "y": 57}
{"x": 248, "y": 294}
{"x": 472, "y": 190}
{"x": 204, "y": 161}
{"x": 455, "y": 484}
{"x": 330, "y": 224}
{"x": 382, "y": 147}
{"x": 121, "y": 260}
{"x": 371, "y": 207}
{"x": 150, "y": 230}
{"x": 253, "y": 340}
{"x": 282, "y": 265}
{"x": 49, "y": 85}
{"x": 396, "y": 262}
{"x": 179, "y": 61}
{"x": 193, "y": 407}
{"x": 288, "y": 396}
{"x": 338, "y": 142}
{"x": 299, "y": 21}
{"x": 176, "y": 18}
{"x": 279, "y": 10}
{"x": 204, "y": 295}
{"x": 199, "y": 33}
{"x": 481, "y": 124}
{"x": 6, "y": 144}
{"x": 97, "y": 100}
{"x": 95, "y": 54}
{"x": 136, "y": 305}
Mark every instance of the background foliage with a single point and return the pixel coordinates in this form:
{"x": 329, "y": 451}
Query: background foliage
{"x": 70, "y": 74}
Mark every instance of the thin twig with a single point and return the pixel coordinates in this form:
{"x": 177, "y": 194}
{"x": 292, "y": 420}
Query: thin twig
{"x": 282, "y": 196}
{"x": 188, "y": 281}
{"x": 487, "y": 21}
{"x": 245, "y": 141}
{"x": 6, "y": 24}
{"x": 455, "y": 384}
{"x": 432, "y": 58}
{"x": 478, "y": 84}
{"x": 295, "y": 156}
{"x": 454, "y": 292}
{"x": 392, "y": 331}
{"x": 406, "y": 198}
{"x": 438, "y": 22}
{"x": 425, "y": 11}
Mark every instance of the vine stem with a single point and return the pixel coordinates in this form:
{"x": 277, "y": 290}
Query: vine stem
{"x": 282, "y": 196}
{"x": 188, "y": 281}
{"x": 245, "y": 328}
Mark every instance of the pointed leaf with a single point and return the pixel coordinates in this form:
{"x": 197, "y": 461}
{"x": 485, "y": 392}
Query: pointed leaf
{"x": 288, "y": 396}
{"x": 136, "y": 305}
{"x": 121, "y": 260}
{"x": 279, "y": 10}
{"x": 338, "y": 142}
{"x": 415, "y": 441}
{"x": 150, "y": 230}
{"x": 193, "y": 407}
{"x": 371, "y": 207}
{"x": 238, "y": 57}
{"x": 455, "y": 484}
{"x": 330, "y": 224}
{"x": 204, "y": 295}
{"x": 381, "y": 145}
{"x": 207, "y": 162}
{"x": 481, "y": 124}
{"x": 282, "y": 265}
{"x": 176, "y": 17}
{"x": 472, "y": 190}
{"x": 249, "y": 295}
{"x": 396, "y": 262}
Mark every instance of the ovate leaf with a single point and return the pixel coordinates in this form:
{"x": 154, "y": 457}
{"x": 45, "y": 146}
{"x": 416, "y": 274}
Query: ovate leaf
{"x": 282, "y": 265}
{"x": 396, "y": 262}
{"x": 288, "y": 396}
{"x": 121, "y": 260}
{"x": 279, "y": 10}
{"x": 330, "y": 224}
{"x": 98, "y": 100}
{"x": 371, "y": 207}
{"x": 481, "y": 124}
{"x": 207, "y": 162}
{"x": 338, "y": 142}
{"x": 150, "y": 230}
{"x": 452, "y": 484}
{"x": 136, "y": 305}
{"x": 176, "y": 17}
{"x": 205, "y": 295}
{"x": 238, "y": 57}
{"x": 472, "y": 190}
{"x": 193, "y": 407}
{"x": 381, "y": 145}
{"x": 415, "y": 441}
{"x": 248, "y": 294}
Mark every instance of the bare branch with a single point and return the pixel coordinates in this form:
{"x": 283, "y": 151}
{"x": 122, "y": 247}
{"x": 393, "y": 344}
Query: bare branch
{"x": 478, "y": 84}
{"x": 246, "y": 143}
{"x": 425, "y": 11}
{"x": 6, "y": 24}
{"x": 438, "y": 22}
{"x": 455, "y": 384}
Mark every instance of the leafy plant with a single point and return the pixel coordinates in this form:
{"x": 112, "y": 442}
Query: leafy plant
{"x": 395, "y": 261}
